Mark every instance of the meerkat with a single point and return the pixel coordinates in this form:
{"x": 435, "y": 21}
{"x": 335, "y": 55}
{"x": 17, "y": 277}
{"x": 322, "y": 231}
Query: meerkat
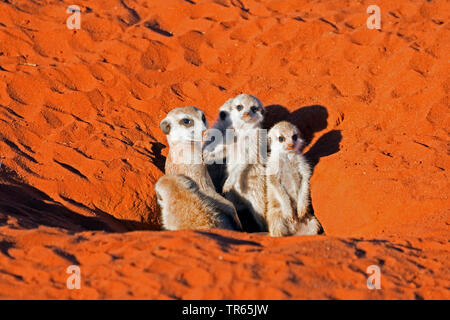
{"x": 288, "y": 175}
{"x": 244, "y": 149}
{"x": 186, "y": 195}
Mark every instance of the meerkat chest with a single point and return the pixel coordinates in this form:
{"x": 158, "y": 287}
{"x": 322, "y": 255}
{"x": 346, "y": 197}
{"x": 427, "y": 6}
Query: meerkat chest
{"x": 289, "y": 177}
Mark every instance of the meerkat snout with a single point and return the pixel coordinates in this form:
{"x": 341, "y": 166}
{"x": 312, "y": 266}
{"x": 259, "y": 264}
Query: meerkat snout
{"x": 184, "y": 124}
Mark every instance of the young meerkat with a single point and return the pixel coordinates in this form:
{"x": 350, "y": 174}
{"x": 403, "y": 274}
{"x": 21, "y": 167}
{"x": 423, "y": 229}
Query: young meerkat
{"x": 288, "y": 175}
{"x": 245, "y": 150}
{"x": 186, "y": 194}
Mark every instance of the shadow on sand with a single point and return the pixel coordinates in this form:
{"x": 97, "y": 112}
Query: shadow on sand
{"x": 31, "y": 208}
{"x": 309, "y": 120}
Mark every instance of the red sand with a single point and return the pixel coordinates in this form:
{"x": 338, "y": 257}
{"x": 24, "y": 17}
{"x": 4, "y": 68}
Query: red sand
{"x": 81, "y": 148}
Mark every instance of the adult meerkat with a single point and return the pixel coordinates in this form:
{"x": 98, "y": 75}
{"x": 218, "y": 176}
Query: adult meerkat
{"x": 245, "y": 149}
{"x": 186, "y": 193}
{"x": 288, "y": 175}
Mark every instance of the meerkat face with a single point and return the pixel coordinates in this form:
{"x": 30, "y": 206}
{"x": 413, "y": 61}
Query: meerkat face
{"x": 246, "y": 111}
{"x": 284, "y": 137}
{"x": 184, "y": 124}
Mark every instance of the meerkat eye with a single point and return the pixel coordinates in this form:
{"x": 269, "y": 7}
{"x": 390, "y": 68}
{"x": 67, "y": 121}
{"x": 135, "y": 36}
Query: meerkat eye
{"x": 254, "y": 109}
{"x": 294, "y": 137}
{"x": 203, "y": 118}
{"x": 239, "y": 107}
{"x": 281, "y": 139}
{"x": 186, "y": 122}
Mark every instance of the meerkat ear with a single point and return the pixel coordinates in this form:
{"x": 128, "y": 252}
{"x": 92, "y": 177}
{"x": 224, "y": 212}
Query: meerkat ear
{"x": 165, "y": 126}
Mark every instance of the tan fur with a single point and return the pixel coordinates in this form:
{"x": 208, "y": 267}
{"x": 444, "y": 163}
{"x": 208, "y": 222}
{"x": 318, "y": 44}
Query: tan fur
{"x": 288, "y": 175}
{"x": 185, "y": 207}
{"x": 186, "y": 194}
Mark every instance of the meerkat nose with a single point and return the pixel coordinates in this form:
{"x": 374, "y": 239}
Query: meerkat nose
{"x": 246, "y": 115}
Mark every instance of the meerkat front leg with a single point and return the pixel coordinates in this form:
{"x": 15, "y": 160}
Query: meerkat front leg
{"x": 233, "y": 177}
{"x": 280, "y": 193}
{"x": 279, "y": 210}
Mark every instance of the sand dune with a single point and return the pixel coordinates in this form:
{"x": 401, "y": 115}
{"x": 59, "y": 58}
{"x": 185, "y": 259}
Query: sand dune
{"x": 81, "y": 148}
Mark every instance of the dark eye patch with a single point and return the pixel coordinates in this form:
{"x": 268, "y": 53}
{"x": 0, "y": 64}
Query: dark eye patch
{"x": 254, "y": 109}
{"x": 222, "y": 115}
{"x": 281, "y": 139}
{"x": 294, "y": 137}
{"x": 187, "y": 122}
{"x": 239, "y": 107}
{"x": 204, "y": 119}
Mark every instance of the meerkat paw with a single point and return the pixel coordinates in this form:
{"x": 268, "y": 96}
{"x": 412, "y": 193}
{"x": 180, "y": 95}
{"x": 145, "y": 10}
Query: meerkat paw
{"x": 228, "y": 185}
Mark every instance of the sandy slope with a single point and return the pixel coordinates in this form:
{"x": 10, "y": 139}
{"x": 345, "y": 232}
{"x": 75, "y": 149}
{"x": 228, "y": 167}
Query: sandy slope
{"x": 81, "y": 149}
